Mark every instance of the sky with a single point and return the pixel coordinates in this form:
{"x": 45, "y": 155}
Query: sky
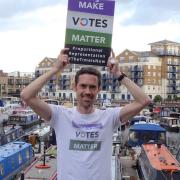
{"x": 33, "y": 29}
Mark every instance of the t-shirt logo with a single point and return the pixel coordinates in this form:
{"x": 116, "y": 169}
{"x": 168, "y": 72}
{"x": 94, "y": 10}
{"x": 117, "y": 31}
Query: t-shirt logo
{"x": 86, "y": 137}
{"x": 85, "y": 145}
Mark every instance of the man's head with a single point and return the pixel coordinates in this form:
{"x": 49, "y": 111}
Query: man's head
{"x": 88, "y": 70}
{"x": 87, "y": 86}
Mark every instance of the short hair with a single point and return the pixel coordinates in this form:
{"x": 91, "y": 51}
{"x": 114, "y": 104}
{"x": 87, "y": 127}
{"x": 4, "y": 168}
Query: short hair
{"x": 88, "y": 70}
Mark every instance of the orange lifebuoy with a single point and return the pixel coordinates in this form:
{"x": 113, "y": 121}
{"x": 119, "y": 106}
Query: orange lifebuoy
{"x": 42, "y": 166}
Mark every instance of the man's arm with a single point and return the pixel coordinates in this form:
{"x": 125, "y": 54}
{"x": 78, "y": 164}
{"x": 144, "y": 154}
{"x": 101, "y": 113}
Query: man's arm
{"x": 140, "y": 98}
{"x": 29, "y": 94}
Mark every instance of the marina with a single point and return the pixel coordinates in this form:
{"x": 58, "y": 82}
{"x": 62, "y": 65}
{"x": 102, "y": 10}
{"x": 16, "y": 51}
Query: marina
{"x": 127, "y": 146}
{"x": 88, "y": 91}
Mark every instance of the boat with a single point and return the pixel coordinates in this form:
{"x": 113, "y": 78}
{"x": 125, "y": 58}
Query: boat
{"x": 39, "y": 136}
{"x": 10, "y": 133}
{"x": 14, "y": 157}
{"x": 52, "y": 101}
{"x": 44, "y": 167}
{"x": 24, "y": 117}
{"x": 139, "y": 133}
{"x": 6, "y": 110}
{"x": 170, "y": 123}
{"x": 142, "y": 132}
{"x": 156, "y": 162}
{"x": 137, "y": 118}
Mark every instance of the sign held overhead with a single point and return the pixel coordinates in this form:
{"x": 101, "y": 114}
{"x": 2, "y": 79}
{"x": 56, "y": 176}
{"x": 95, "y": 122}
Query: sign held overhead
{"x": 89, "y": 31}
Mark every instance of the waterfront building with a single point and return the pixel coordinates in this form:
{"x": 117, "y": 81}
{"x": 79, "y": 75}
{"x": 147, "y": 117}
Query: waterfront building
{"x": 156, "y": 71}
{"x": 12, "y": 83}
{"x": 3, "y": 83}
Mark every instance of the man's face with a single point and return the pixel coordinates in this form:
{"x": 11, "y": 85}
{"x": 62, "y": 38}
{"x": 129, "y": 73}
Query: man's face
{"x": 87, "y": 90}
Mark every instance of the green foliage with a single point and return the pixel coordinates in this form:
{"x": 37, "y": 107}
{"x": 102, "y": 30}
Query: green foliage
{"x": 157, "y": 98}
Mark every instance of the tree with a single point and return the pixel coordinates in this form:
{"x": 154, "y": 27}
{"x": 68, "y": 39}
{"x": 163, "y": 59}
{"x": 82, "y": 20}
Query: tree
{"x": 157, "y": 98}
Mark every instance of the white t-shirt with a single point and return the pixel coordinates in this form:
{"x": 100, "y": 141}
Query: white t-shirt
{"x": 84, "y": 142}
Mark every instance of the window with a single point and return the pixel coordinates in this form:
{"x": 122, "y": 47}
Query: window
{"x": 27, "y": 154}
{"x": 20, "y": 158}
{"x": 131, "y": 58}
{"x": 122, "y": 59}
{"x": 99, "y": 96}
{"x": 1, "y": 169}
{"x": 133, "y": 136}
{"x": 112, "y": 96}
{"x": 123, "y": 96}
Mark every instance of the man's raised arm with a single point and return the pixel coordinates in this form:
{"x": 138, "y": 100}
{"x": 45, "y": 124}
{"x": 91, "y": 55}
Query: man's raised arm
{"x": 29, "y": 94}
{"x": 140, "y": 98}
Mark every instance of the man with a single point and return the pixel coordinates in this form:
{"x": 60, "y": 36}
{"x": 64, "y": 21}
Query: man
{"x": 84, "y": 133}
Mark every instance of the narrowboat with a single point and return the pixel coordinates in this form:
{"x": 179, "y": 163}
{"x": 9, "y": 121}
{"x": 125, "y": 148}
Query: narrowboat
{"x": 5, "y": 111}
{"x": 156, "y": 162}
{"x": 24, "y": 117}
{"x": 170, "y": 123}
{"x": 141, "y": 133}
{"x": 44, "y": 167}
{"x": 14, "y": 157}
{"x": 10, "y": 133}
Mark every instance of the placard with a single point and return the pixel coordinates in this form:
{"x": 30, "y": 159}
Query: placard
{"x": 89, "y": 31}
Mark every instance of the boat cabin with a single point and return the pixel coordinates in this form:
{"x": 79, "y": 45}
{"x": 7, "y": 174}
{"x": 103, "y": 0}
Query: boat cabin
{"x": 170, "y": 123}
{"x": 141, "y": 133}
{"x": 10, "y": 133}
{"x": 24, "y": 119}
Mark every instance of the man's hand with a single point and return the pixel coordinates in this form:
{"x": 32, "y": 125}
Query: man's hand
{"x": 113, "y": 66}
{"x": 62, "y": 60}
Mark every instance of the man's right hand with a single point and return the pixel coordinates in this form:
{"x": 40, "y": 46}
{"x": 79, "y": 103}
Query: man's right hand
{"x": 62, "y": 60}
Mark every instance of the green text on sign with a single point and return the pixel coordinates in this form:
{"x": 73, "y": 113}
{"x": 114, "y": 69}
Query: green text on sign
{"x": 88, "y": 38}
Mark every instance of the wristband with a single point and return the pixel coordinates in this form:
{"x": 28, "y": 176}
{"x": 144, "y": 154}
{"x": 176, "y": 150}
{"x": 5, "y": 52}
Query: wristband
{"x": 121, "y": 77}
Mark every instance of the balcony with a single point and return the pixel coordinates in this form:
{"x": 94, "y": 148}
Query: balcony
{"x": 136, "y": 69}
{"x": 167, "y": 53}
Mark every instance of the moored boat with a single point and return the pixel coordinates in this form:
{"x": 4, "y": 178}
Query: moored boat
{"x": 170, "y": 123}
{"x": 156, "y": 162}
{"x": 10, "y": 133}
{"x": 14, "y": 157}
{"x": 24, "y": 117}
{"x": 142, "y": 132}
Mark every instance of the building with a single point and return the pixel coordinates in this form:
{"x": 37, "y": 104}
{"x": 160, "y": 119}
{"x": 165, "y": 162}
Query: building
{"x": 11, "y": 84}
{"x": 3, "y": 83}
{"x": 156, "y": 71}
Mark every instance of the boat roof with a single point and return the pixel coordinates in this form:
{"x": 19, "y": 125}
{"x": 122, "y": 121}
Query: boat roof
{"x": 160, "y": 158}
{"x": 147, "y": 127}
{"x": 169, "y": 118}
{"x": 11, "y": 148}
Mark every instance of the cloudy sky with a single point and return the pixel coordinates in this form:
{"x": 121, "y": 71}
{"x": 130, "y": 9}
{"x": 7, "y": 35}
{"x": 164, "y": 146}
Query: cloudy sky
{"x": 33, "y": 29}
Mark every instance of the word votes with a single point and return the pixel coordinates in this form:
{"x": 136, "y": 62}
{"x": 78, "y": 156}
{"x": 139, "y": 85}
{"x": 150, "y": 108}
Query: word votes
{"x": 90, "y": 22}
{"x": 91, "y": 5}
{"x": 87, "y": 134}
